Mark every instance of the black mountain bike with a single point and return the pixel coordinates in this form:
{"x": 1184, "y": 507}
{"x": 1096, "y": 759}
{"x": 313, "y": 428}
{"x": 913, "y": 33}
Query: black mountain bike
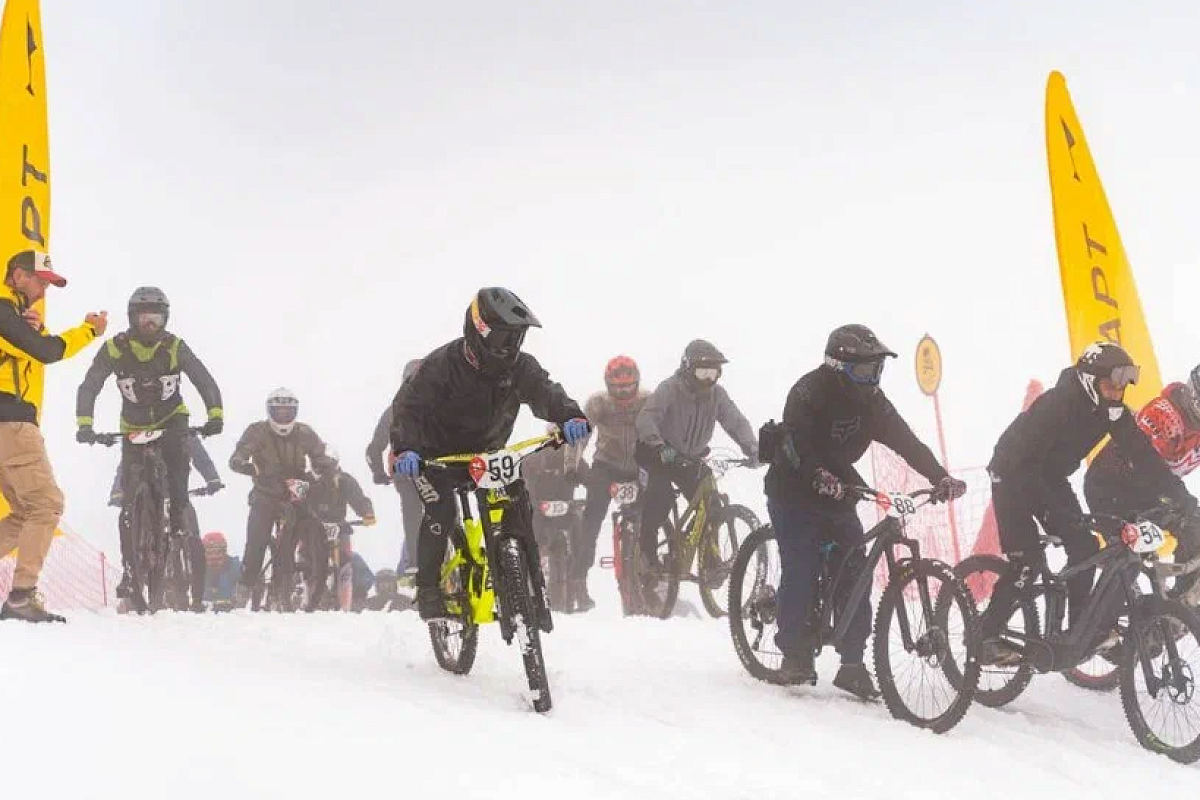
{"x": 160, "y": 572}
{"x": 926, "y": 614}
{"x": 1152, "y": 639}
{"x": 559, "y": 523}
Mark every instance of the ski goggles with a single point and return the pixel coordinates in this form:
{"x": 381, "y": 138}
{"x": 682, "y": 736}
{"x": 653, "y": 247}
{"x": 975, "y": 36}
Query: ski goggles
{"x": 707, "y": 374}
{"x": 157, "y": 317}
{"x": 504, "y": 342}
{"x": 283, "y": 415}
{"x": 869, "y": 372}
{"x": 1123, "y": 376}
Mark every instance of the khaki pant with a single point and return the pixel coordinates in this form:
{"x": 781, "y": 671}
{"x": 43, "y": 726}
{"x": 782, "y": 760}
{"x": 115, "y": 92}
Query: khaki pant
{"x": 28, "y": 484}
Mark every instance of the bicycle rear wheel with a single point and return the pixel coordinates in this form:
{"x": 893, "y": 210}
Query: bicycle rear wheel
{"x": 940, "y": 617}
{"x": 519, "y": 601}
{"x": 716, "y": 555}
{"x": 754, "y": 604}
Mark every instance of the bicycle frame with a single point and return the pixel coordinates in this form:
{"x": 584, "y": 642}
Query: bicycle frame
{"x": 887, "y": 534}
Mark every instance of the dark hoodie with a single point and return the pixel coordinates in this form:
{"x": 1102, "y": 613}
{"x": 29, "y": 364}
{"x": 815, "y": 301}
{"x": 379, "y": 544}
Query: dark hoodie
{"x": 1047, "y": 442}
{"x": 830, "y": 422}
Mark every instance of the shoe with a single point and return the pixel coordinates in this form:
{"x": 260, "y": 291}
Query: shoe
{"x": 999, "y": 653}
{"x": 855, "y": 679}
{"x": 27, "y": 605}
{"x": 431, "y": 605}
{"x": 582, "y": 600}
{"x": 798, "y": 669}
{"x": 198, "y": 607}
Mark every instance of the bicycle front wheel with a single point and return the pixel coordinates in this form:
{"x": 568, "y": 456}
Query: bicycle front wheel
{"x": 928, "y": 678}
{"x": 455, "y": 641}
{"x": 754, "y": 604}
{"x": 519, "y": 599}
{"x": 718, "y": 550}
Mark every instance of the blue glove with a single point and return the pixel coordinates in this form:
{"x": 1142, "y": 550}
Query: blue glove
{"x": 408, "y": 464}
{"x": 575, "y": 430}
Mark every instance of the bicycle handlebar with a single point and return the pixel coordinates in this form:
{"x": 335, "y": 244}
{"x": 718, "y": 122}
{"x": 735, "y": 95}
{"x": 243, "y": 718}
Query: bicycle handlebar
{"x": 109, "y": 439}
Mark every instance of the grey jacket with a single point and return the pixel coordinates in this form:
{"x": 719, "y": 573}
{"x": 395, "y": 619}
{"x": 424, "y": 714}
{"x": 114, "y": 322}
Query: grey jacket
{"x": 613, "y": 426}
{"x": 684, "y": 417}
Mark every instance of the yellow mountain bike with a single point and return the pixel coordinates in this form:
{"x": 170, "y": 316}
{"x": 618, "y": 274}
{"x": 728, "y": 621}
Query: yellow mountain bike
{"x": 491, "y": 572}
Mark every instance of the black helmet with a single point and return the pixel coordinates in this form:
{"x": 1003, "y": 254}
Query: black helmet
{"x": 857, "y": 353}
{"x": 1105, "y": 360}
{"x": 148, "y": 300}
{"x": 495, "y": 327}
{"x": 701, "y": 362}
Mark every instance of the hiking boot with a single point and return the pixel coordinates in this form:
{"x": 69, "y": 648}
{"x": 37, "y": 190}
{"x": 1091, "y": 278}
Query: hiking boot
{"x": 855, "y": 679}
{"x": 27, "y": 605}
{"x": 798, "y": 669}
{"x": 583, "y": 602}
{"x": 431, "y": 605}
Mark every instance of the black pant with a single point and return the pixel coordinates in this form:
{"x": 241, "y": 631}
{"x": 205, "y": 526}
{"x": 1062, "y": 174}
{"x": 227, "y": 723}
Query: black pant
{"x": 265, "y": 511}
{"x": 1018, "y": 503}
{"x": 136, "y": 467}
{"x": 412, "y": 512}
{"x": 600, "y": 478}
{"x": 1126, "y": 499}
{"x": 660, "y": 493}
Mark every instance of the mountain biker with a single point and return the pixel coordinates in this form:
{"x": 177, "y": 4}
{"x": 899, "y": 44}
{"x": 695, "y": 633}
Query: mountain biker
{"x": 1112, "y": 486}
{"x": 612, "y": 413}
{"x": 223, "y": 571}
{"x": 553, "y": 475}
{"x": 831, "y": 417}
{"x": 465, "y": 399}
{"x": 675, "y": 425}
{"x": 148, "y": 362}
{"x": 272, "y": 451}
{"x": 1030, "y": 466}
{"x": 328, "y": 499}
{"x": 410, "y": 501}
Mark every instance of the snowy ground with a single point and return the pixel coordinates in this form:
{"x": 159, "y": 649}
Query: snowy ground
{"x": 263, "y": 706}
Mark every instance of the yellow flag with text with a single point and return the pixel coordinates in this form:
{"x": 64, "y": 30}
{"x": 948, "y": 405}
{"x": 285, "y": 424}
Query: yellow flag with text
{"x": 1099, "y": 292}
{"x": 24, "y": 140}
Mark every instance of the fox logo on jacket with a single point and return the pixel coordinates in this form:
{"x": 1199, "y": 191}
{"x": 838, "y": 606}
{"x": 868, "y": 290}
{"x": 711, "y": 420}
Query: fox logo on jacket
{"x": 843, "y": 429}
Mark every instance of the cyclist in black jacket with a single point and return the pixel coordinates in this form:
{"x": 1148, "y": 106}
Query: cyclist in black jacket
{"x": 1030, "y": 465}
{"x": 832, "y": 415}
{"x": 465, "y": 399}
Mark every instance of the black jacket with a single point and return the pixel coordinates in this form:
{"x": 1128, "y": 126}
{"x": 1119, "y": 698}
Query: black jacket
{"x": 329, "y": 496}
{"x": 827, "y": 422}
{"x": 449, "y": 406}
{"x": 1047, "y": 442}
{"x": 149, "y": 379}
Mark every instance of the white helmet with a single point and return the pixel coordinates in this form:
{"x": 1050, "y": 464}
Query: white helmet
{"x": 282, "y": 409}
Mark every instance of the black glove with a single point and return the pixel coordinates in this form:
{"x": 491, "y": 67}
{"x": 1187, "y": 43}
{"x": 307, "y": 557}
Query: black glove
{"x": 85, "y": 435}
{"x": 214, "y": 486}
{"x": 949, "y": 488}
{"x": 380, "y": 478}
{"x": 214, "y": 426}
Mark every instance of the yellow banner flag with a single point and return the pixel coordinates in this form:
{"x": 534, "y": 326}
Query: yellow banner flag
{"x": 24, "y": 141}
{"x": 1098, "y": 289}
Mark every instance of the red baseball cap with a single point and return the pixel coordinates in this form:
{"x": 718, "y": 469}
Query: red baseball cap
{"x": 38, "y": 264}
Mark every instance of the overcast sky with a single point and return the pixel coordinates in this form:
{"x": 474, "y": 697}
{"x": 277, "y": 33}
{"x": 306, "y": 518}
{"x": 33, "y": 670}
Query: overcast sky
{"x": 320, "y": 187}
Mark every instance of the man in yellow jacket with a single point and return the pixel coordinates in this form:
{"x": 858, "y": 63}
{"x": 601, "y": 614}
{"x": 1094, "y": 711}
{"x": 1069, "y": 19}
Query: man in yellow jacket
{"x": 26, "y": 478}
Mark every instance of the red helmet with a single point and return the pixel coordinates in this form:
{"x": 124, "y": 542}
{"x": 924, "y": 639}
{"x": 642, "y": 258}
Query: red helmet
{"x": 215, "y": 545}
{"x": 621, "y": 376}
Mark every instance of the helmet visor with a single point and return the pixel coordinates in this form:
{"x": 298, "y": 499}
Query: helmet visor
{"x": 869, "y": 372}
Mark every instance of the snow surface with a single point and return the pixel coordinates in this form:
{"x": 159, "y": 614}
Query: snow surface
{"x": 180, "y": 706}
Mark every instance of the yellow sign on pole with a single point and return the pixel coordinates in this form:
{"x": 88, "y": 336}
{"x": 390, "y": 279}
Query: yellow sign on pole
{"x": 929, "y": 365}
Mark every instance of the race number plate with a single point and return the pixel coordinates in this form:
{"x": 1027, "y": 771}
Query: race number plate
{"x": 624, "y": 493}
{"x": 496, "y": 470}
{"x": 895, "y": 504}
{"x": 555, "y": 508}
